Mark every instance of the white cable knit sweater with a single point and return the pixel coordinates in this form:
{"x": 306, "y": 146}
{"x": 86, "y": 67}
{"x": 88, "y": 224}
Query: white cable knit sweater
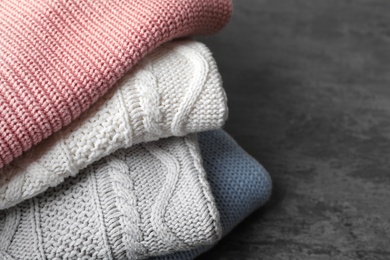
{"x": 147, "y": 200}
{"x": 175, "y": 90}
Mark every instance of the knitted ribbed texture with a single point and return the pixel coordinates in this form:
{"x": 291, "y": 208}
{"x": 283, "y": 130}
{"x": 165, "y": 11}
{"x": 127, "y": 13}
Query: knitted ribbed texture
{"x": 174, "y": 90}
{"x": 147, "y": 200}
{"x": 58, "y": 57}
{"x": 238, "y": 182}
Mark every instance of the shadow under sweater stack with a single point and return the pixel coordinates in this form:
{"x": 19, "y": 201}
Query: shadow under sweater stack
{"x": 100, "y": 103}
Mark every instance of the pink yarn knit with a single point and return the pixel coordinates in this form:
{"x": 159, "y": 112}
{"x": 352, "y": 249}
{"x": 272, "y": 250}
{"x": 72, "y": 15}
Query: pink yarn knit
{"x": 57, "y": 57}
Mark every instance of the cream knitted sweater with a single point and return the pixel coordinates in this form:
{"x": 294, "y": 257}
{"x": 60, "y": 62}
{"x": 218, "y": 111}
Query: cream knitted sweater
{"x": 150, "y": 199}
{"x": 175, "y": 90}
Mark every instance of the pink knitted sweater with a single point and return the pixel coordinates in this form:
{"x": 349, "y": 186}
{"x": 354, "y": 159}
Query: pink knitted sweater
{"x": 57, "y": 57}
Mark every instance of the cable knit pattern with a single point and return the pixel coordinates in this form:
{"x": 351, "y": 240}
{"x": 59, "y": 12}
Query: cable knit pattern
{"x": 57, "y": 57}
{"x": 136, "y": 203}
{"x": 238, "y": 182}
{"x": 175, "y": 90}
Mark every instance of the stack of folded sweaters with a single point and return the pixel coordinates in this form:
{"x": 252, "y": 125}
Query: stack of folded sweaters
{"x": 100, "y": 103}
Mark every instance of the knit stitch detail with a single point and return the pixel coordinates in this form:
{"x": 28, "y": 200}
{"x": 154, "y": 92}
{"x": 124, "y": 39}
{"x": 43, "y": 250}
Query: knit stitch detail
{"x": 37, "y": 232}
{"x": 194, "y": 150}
{"x": 11, "y": 221}
{"x": 58, "y": 57}
{"x": 24, "y": 244}
{"x": 150, "y": 100}
{"x": 125, "y": 202}
{"x": 175, "y": 88}
{"x": 98, "y": 204}
{"x": 196, "y": 87}
{"x": 159, "y": 208}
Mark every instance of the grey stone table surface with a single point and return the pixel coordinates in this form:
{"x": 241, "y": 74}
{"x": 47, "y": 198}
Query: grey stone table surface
{"x": 308, "y": 84}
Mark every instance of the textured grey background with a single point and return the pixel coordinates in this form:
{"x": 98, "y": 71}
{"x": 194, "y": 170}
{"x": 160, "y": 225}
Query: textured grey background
{"x": 308, "y": 84}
